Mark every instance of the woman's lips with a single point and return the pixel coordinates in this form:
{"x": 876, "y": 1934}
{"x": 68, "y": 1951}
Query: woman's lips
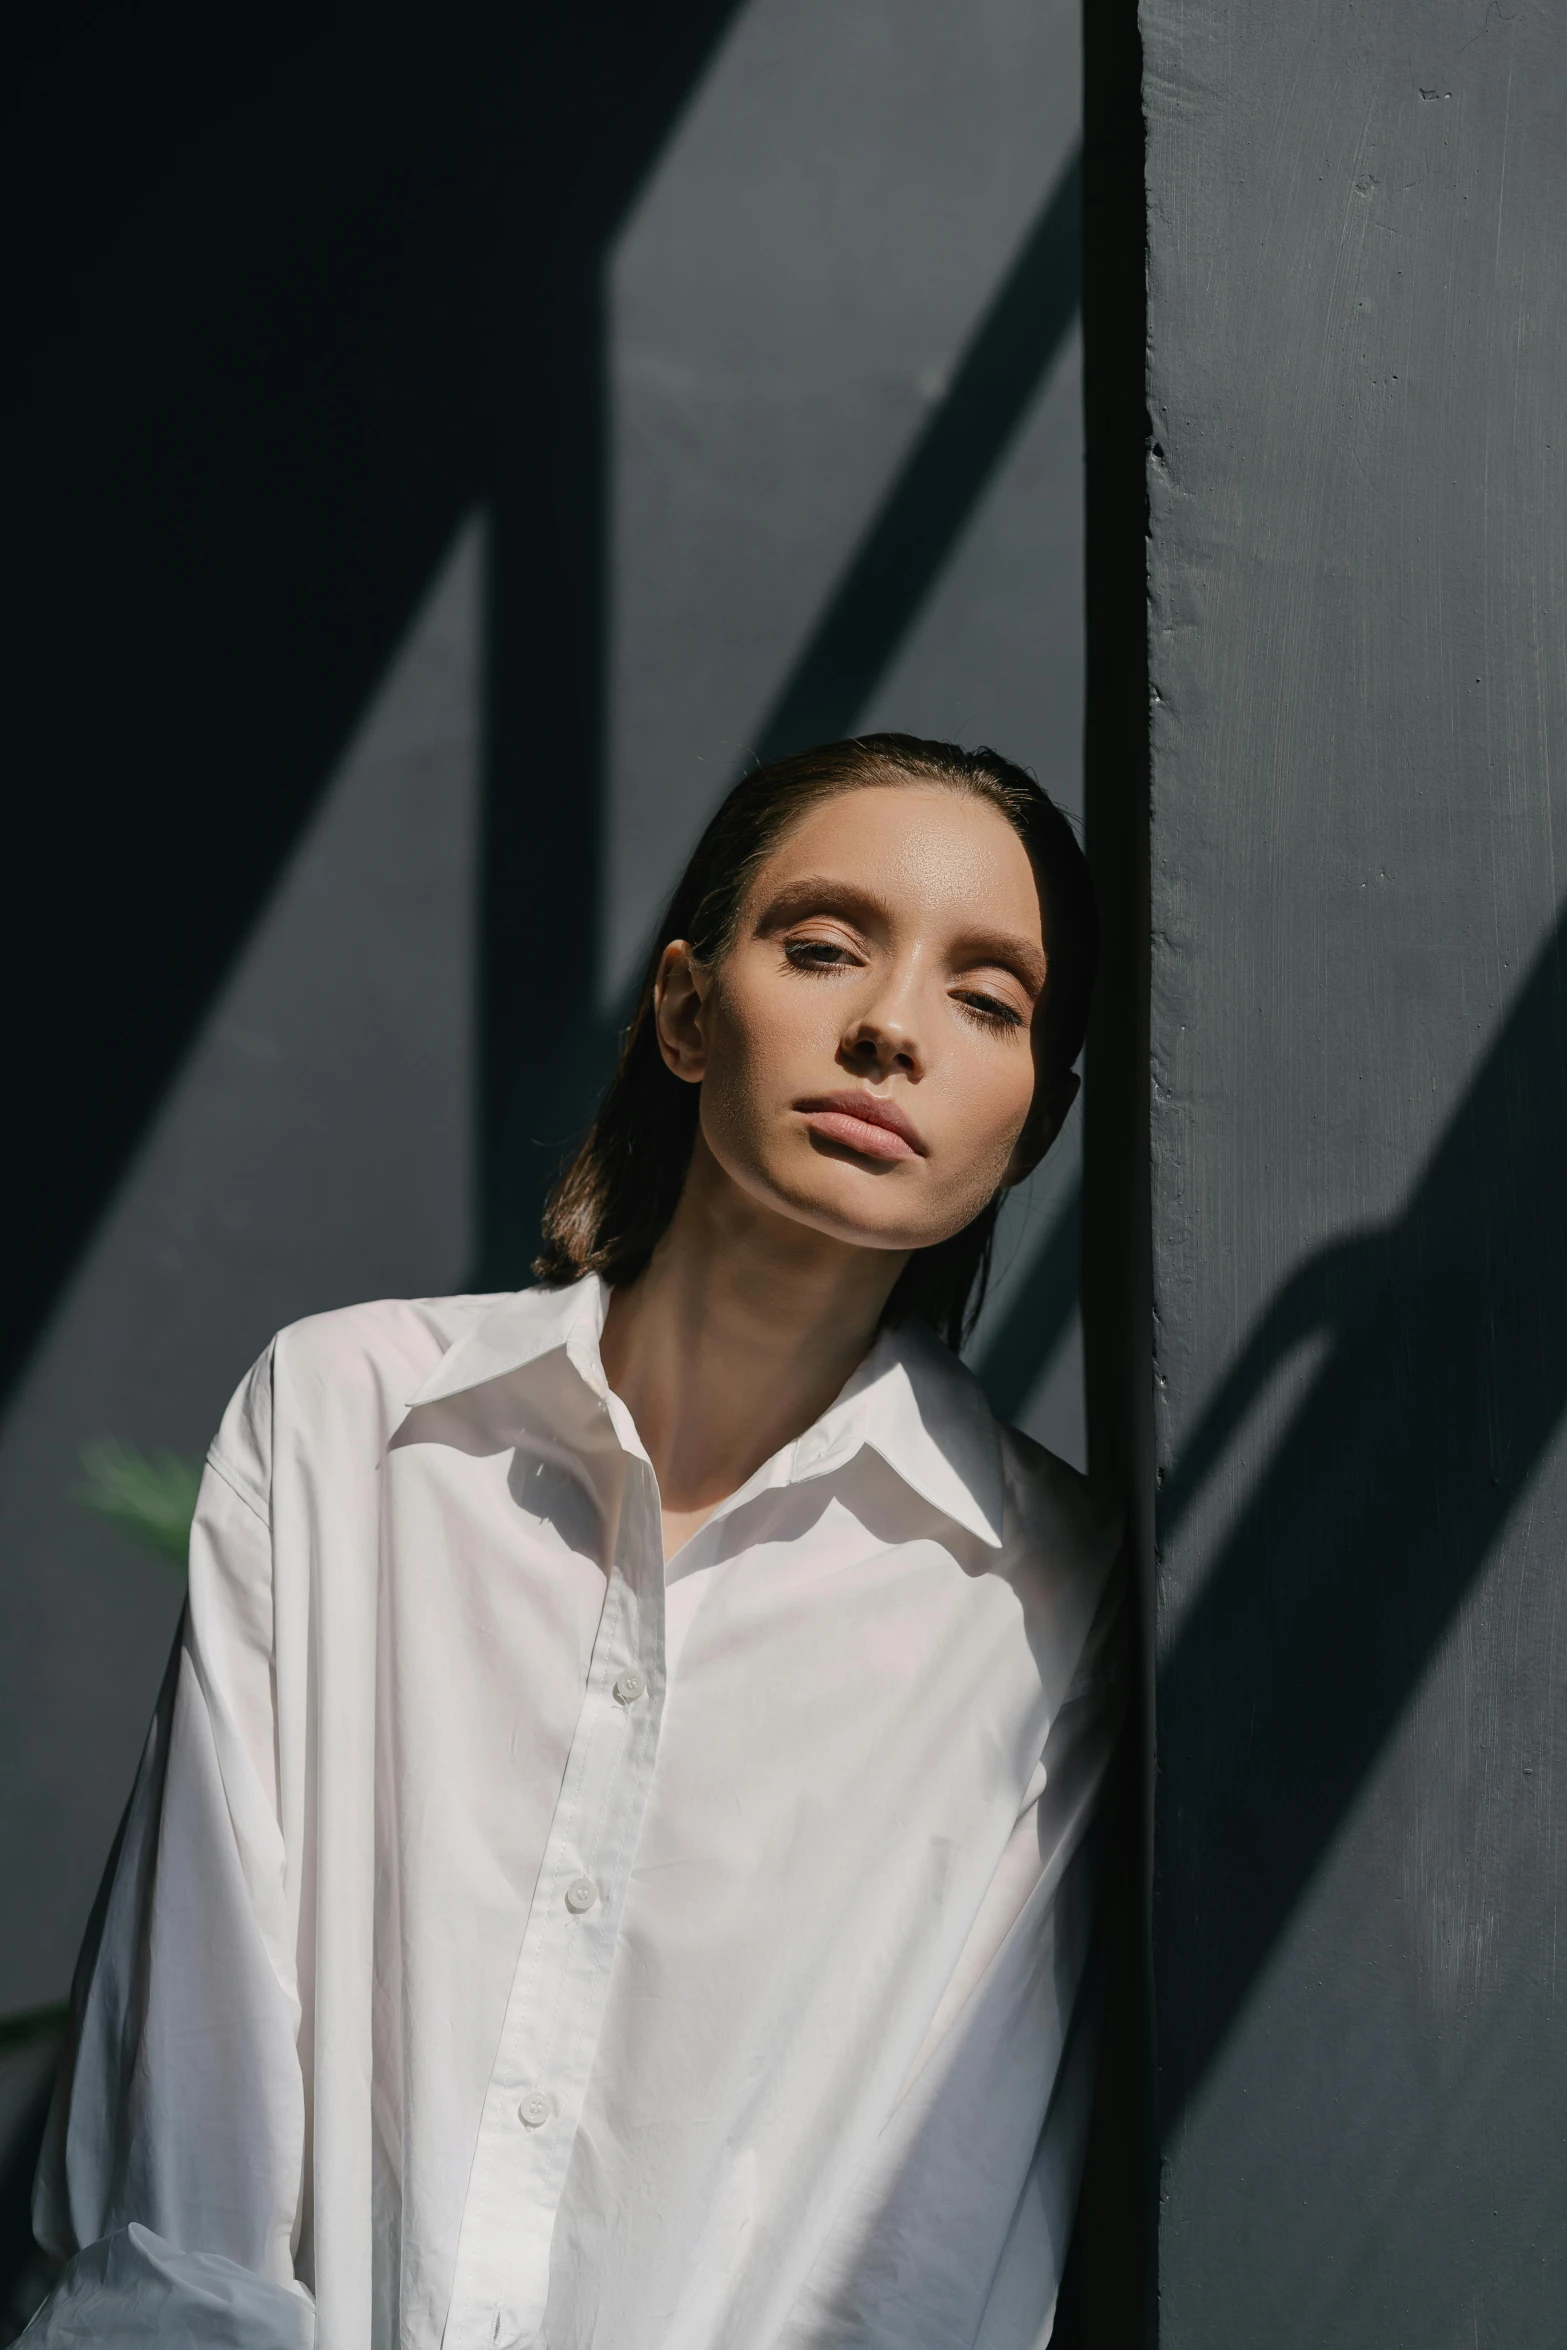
{"x": 876, "y": 1129}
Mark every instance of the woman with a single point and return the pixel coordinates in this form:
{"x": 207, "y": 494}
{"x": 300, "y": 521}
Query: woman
{"x": 609, "y": 1866}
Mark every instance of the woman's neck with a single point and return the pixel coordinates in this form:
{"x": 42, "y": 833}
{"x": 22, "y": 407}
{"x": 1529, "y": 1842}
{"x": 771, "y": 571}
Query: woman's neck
{"x": 739, "y": 1334}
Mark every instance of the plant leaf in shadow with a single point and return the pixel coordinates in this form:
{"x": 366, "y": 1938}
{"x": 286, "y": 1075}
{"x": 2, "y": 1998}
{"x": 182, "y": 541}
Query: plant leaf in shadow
{"x": 152, "y": 1499}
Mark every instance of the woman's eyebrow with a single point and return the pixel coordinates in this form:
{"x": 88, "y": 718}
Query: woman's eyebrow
{"x": 1007, "y": 948}
{"x": 821, "y": 893}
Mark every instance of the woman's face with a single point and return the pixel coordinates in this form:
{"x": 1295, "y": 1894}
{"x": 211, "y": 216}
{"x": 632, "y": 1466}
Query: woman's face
{"x": 866, "y": 1047}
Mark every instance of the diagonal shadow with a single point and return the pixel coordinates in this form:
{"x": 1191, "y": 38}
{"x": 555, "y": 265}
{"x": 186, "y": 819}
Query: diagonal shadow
{"x": 545, "y": 1048}
{"x": 937, "y": 488}
{"x": 1036, "y": 1319}
{"x": 248, "y": 406}
{"x": 1445, "y": 1379}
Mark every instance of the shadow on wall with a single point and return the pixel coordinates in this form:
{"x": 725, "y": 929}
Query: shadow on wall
{"x": 939, "y": 485}
{"x": 294, "y": 297}
{"x": 1444, "y": 1378}
{"x": 1038, "y": 1313}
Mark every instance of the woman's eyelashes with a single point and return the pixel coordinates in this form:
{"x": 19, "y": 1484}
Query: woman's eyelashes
{"x": 820, "y": 954}
{"x": 988, "y": 1010}
{"x": 840, "y": 955}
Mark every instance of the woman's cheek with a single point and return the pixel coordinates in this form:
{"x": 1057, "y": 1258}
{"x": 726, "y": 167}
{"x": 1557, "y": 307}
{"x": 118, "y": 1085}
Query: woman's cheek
{"x": 744, "y": 1074}
{"x": 981, "y": 1180}
{"x": 994, "y": 1108}
{"x": 767, "y": 1051}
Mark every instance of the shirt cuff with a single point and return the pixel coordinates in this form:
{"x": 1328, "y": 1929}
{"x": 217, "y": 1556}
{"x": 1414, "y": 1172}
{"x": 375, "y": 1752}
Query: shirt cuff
{"x": 136, "y": 2291}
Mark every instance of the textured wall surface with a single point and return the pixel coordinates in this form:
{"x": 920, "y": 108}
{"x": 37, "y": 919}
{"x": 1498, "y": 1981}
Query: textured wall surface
{"x": 314, "y": 1149}
{"x": 792, "y": 296}
{"x": 1358, "y": 513}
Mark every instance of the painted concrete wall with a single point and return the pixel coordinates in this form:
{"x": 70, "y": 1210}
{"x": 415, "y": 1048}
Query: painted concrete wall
{"x": 1358, "y": 516}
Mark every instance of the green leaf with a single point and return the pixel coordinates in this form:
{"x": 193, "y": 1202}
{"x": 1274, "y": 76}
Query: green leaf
{"x": 153, "y": 1500}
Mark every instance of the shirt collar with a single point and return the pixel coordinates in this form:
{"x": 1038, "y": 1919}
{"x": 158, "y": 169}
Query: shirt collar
{"x": 917, "y": 1406}
{"x": 520, "y": 1329}
{"x": 910, "y": 1400}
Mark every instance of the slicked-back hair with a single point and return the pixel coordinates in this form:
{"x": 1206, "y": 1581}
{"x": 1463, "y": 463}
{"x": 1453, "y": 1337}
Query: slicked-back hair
{"x": 614, "y": 1201}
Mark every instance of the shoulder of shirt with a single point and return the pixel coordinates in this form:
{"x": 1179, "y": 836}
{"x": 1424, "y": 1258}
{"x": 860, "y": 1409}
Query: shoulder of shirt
{"x": 378, "y": 1352}
{"x": 1054, "y": 1509}
{"x": 394, "y": 1335}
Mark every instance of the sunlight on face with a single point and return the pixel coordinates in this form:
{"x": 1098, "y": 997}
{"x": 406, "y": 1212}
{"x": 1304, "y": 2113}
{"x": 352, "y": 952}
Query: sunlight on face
{"x": 866, "y": 1046}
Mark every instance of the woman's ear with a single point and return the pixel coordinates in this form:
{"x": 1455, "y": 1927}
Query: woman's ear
{"x": 678, "y": 995}
{"x": 1044, "y": 1122}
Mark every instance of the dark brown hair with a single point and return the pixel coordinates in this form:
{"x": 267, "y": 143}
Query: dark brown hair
{"x": 614, "y": 1201}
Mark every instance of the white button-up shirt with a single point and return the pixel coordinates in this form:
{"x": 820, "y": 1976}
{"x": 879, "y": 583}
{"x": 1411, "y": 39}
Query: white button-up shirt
{"x": 516, "y": 1939}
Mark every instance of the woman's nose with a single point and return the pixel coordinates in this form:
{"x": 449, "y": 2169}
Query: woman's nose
{"x": 882, "y": 1041}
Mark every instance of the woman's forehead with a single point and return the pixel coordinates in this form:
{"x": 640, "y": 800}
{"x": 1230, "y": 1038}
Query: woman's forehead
{"x": 915, "y": 847}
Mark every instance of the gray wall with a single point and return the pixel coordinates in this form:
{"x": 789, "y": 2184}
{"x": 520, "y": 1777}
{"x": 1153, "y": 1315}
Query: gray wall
{"x": 793, "y": 300}
{"x": 790, "y": 299}
{"x": 1358, "y": 515}
{"x": 313, "y": 1150}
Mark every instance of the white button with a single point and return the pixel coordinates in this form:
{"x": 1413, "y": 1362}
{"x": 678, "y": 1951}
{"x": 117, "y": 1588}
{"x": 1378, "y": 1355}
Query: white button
{"x": 629, "y": 1687}
{"x": 536, "y": 2109}
{"x": 581, "y": 1894}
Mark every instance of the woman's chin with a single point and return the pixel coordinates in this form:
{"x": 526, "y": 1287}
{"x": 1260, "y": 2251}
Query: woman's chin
{"x": 860, "y": 1215}
{"x": 858, "y": 1202}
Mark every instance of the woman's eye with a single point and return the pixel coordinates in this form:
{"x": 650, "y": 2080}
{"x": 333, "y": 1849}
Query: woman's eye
{"x": 990, "y": 1009}
{"x": 816, "y": 954}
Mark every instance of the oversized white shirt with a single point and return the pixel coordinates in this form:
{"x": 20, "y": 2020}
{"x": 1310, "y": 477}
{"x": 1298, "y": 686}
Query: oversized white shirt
{"x": 515, "y": 1939}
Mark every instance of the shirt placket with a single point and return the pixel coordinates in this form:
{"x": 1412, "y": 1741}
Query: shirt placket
{"x": 534, "y": 2096}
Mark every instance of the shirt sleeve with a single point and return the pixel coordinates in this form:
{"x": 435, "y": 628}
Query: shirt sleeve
{"x": 175, "y": 2149}
{"x": 957, "y": 2231}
